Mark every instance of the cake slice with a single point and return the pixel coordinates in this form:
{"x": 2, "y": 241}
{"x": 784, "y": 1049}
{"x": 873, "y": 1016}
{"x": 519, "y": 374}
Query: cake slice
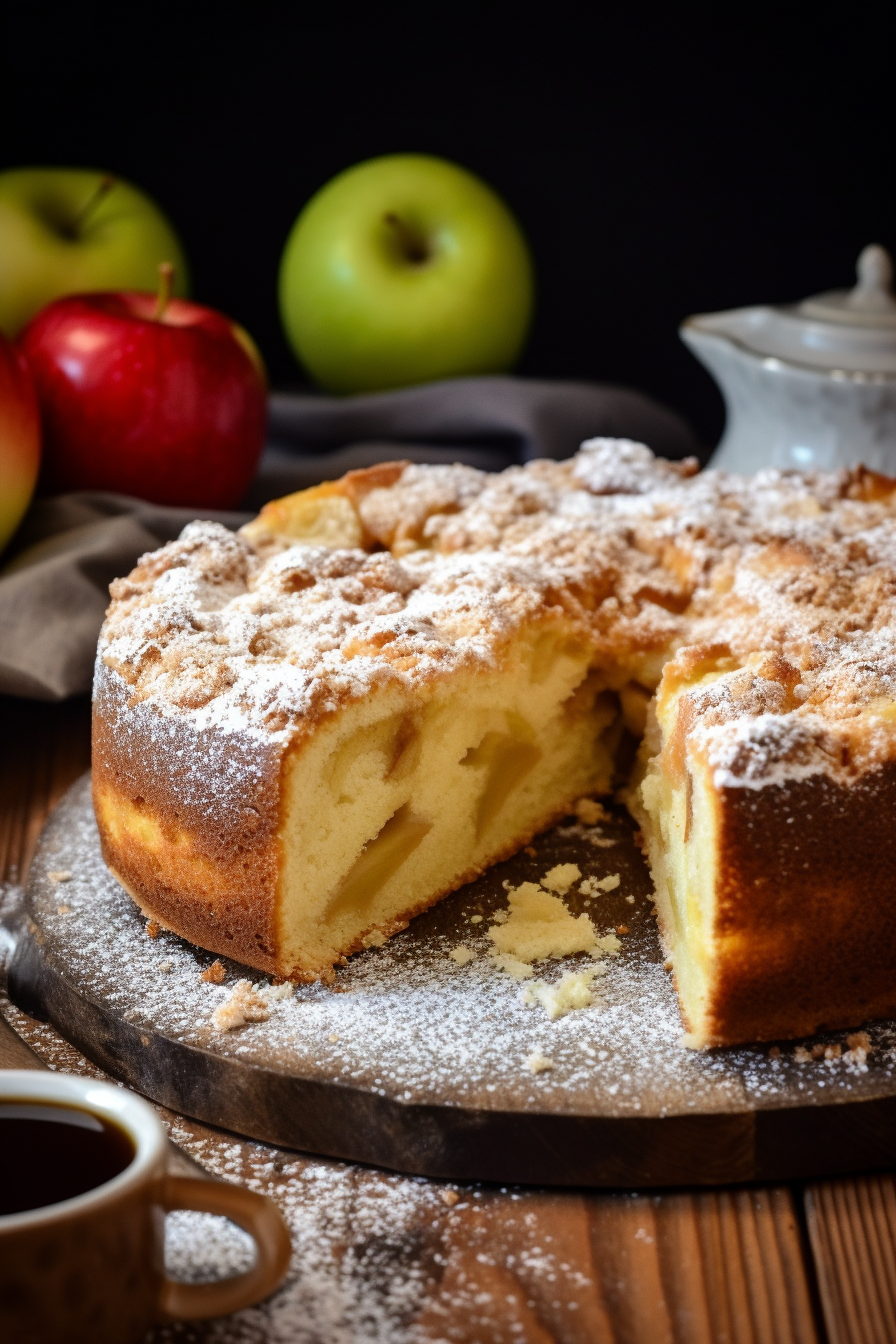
{"x": 769, "y": 832}
{"x": 435, "y": 727}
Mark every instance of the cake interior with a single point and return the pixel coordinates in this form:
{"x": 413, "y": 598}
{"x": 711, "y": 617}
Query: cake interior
{"x": 673, "y": 798}
{"x": 395, "y": 801}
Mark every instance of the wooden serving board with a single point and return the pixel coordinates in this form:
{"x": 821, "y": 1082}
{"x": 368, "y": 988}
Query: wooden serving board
{"x": 413, "y": 1062}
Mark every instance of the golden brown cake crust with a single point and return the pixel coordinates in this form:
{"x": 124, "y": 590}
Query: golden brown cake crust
{"x": 221, "y": 653}
{"x": 203, "y": 788}
{"x": 808, "y": 892}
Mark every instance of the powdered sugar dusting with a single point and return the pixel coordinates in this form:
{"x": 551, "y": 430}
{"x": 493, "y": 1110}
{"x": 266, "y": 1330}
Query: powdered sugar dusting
{"x": 260, "y": 641}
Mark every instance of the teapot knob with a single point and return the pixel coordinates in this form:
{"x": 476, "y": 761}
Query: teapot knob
{"x": 874, "y": 272}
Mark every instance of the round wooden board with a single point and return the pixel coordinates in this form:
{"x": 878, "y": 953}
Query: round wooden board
{"x": 413, "y": 1062}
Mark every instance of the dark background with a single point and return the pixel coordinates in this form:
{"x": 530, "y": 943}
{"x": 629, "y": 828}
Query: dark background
{"x": 660, "y": 165}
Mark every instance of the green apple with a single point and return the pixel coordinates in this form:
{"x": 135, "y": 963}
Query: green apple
{"x": 68, "y": 231}
{"x": 404, "y": 269}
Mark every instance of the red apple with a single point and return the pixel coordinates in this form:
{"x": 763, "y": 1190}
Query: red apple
{"x": 19, "y": 439}
{"x": 147, "y": 396}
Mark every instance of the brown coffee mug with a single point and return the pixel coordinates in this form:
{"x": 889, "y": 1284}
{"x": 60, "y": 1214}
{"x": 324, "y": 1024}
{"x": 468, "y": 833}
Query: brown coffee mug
{"x": 91, "y": 1267}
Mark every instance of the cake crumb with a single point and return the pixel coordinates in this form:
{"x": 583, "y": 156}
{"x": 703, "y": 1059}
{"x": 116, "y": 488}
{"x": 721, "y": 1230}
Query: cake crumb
{"x": 609, "y": 945}
{"x": 166, "y": 966}
{"x": 630, "y": 899}
{"x": 775, "y": 1052}
{"x": 244, "y": 1005}
{"x": 574, "y": 990}
{"x": 817, "y": 1051}
{"x": 475, "y": 919}
{"x": 152, "y": 928}
{"x": 592, "y": 885}
{"x": 332, "y": 1038}
{"x": 531, "y": 851}
{"x": 858, "y": 1049}
{"x": 376, "y": 938}
{"x": 833, "y": 1051}
{"x": 561, "y": 877}
{"x": 539, "y": 925}
{"x": 60, "y": 875}
{"x": 449, "y": 1197}
{"x": 802, "y": 1055}
{"x": 274, "y": 993}
{"x": 536, "y": 1062}
{"x": 590, "y": 812}
{"x": 622, "y": 928}
{"x": 214, "y": 974}
{"x": 462, "y": 955}
{"x": 511, "y": 966}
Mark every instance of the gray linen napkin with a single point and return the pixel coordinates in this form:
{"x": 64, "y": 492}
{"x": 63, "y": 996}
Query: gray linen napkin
{"x": 56, "y": 573}
{"x": 490, "y": 423}
{"x": 55, "y": 589}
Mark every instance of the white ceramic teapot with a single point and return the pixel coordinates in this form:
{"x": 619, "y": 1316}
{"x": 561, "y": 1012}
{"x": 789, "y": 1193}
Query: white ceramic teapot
{"x": 811, "y": 384}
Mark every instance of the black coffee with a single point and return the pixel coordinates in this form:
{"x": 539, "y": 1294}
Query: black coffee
{"x": 49, "y": 1153}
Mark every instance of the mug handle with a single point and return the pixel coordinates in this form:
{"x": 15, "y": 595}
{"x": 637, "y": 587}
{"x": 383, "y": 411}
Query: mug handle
{"x": 256, "y": 1215}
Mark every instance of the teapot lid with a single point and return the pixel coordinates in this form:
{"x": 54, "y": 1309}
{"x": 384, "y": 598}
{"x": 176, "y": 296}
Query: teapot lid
{"x": 869, "y": 304}
{"x": 844, "y": 332}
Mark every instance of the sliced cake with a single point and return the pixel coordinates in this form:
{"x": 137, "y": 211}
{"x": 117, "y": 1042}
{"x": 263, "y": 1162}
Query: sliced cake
{"x": 309, "y": 731}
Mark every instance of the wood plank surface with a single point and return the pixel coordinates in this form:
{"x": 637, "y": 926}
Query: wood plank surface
{"x": 43, "y": 750}
{"x": 484, "y": 1265}
{"x": 852, "y": 1229}
{"x": 14, "y": 1053}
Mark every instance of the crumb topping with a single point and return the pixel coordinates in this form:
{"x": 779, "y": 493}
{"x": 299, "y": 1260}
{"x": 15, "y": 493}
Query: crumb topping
{"x": 792, "y": 576}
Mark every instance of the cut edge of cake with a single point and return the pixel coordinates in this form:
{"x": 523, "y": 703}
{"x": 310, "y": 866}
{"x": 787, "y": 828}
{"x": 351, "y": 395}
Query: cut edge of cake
{"x": 766, "y": 836}
{"x": 402, "y": 798}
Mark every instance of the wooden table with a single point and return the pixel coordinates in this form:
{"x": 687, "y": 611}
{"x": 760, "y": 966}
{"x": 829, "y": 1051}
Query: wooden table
{"x": 382, "y": 1257}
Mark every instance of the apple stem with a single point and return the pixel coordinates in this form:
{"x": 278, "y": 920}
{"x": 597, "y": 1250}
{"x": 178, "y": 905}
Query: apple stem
{"x": 166, "y": 278}
{"x": 412, "y": 245}
{"x": 103, "y": 188}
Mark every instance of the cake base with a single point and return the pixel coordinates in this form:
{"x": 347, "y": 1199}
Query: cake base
{"x": 412, "y": 1062}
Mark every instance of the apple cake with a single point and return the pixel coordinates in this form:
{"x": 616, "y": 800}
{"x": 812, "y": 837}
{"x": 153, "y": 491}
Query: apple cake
{"x": 310, "y": 730}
